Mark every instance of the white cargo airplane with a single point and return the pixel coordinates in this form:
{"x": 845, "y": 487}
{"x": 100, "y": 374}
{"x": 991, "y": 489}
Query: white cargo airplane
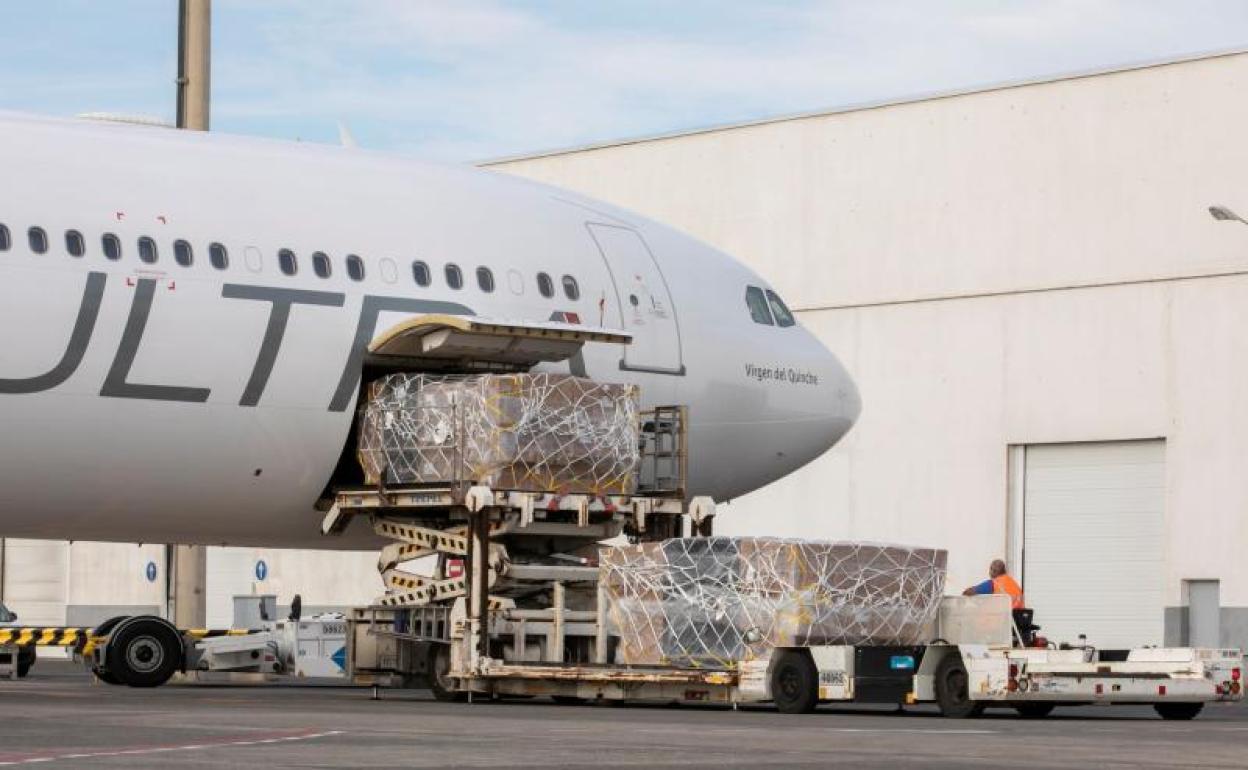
{"x": 185, "y": 321}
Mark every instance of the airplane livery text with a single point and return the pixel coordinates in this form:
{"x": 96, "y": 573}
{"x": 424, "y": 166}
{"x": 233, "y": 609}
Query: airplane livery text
{"x": 118, "y": 385}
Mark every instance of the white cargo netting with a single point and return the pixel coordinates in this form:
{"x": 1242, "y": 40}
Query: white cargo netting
{"x": 712, "y": 601}
{"x": 539, "y": 432}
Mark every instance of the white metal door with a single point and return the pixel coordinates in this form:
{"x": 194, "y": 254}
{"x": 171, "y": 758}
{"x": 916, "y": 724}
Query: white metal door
{"x": 232, "y": 572}
{"x": 642, "y": 301}
{"x": 36, "y": 580}
{"x": 1204, "y": 607}
{"x": 1092, "y": 540}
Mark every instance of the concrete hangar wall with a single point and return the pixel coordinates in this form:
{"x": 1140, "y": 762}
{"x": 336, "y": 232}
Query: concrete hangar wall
{"x": 1049, "y": 330}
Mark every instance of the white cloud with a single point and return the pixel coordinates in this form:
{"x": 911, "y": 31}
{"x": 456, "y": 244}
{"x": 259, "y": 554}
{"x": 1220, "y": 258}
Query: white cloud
{"x": 475, "y": 78}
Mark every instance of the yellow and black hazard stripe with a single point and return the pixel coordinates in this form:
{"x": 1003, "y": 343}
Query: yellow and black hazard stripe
{"x": 82, "y": 639}
{"x": 209, "y": 633}
{"x": 43, "y": 637}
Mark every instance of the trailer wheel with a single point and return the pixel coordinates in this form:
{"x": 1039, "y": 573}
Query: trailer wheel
{"x": 952, "y": 692}
{"x": 1182, "y": 711}
{"x": 144, "y": 652}
{"x": 794, "y": 682}
{"x": 1034, "y": 710}
{"x": 441, "y": 684}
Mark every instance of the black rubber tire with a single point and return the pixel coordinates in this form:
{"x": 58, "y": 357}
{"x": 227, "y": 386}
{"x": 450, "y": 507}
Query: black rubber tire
{"x": 105, "y": 676}
{"x": 951, "y": 689}
{"x": 794, "y": 682}
{"x": 25, "y": 659}
{"x": 144, "y": 651}
{"x": 1181, "y": 711}
{"x": 108, "y": 625}
{"x": 442, "y": 686}
{"x": 1034, "y": 710}
{"x": 102, "y": 629}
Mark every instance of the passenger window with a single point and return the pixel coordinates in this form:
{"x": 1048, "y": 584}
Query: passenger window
{"x": 5, "y": 241}
{"x": 147, "y": 250}
{"x": 570, "y": 288}
{"x": 74, "y": 243}
{"x": 38, "y": 240}
{"x": 454, "y": 278}
{"x": 182, "y": 253}
{"x": 112, "y": 246}
{"x": 779, "y": 309}
{"x": 321, "y": 264}
{"x": 545, "y": 286}
{"x": 286, "y": 261}
{"x": 485, "y": 279}
{"x": 355, "y": 267}
{"x": 420, "y": 273}
{"x": 757, "y": 303}
{"x": 218, "y": 257}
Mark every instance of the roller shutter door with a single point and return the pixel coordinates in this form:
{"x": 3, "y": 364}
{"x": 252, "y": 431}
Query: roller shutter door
{"x": 1092, "y": 539}
{"x": 35, "y": 580}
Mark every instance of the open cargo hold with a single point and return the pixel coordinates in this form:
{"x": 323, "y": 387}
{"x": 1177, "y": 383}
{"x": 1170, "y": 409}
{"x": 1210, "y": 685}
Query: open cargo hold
{"x": 711, "y": 601}
{"x": 539, "y": 432}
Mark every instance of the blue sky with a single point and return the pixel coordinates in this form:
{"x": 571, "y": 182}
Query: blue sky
{"x": 469, "y": 79}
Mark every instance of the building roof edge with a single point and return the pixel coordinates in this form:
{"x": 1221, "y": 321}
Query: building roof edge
{"x": 872, "y": 105}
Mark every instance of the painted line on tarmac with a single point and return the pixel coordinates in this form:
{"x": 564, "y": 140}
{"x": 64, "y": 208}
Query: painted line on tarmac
{"x": 915, "y": 730}
{"x": 215, "y": 744}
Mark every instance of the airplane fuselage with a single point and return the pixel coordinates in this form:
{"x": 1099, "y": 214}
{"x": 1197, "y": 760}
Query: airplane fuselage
{"x": 151, "y": 390}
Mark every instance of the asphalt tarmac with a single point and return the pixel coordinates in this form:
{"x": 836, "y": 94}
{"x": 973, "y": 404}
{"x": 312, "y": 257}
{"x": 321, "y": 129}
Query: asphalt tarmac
{"x": 58, "y": 717}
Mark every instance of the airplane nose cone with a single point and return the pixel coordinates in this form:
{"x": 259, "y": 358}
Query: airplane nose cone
{"x": 797, "y": 402}
{"x": 816, "y": 401}
{"x": 834, "y": 406}
{"x": 846, "y": 403}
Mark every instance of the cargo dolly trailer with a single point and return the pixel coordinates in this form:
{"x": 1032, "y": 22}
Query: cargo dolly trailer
{"x": 976, "y": 661}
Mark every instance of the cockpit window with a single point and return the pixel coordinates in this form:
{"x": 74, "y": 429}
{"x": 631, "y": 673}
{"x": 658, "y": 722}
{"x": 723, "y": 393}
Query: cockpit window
{"x": 779, "y": 310}
{"x": 757, "y": 304}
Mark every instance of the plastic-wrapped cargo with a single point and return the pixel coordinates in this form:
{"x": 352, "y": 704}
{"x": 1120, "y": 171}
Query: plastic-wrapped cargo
{"x": 715, "y": 600}
{"x": 536, "y": 432}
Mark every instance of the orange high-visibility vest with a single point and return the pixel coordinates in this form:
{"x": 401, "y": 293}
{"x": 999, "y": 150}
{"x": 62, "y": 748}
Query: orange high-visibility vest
{"x": 1004, "y": 584}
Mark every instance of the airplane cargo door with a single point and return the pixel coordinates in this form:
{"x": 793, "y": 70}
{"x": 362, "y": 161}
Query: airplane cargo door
{"x": 642, "y": 301}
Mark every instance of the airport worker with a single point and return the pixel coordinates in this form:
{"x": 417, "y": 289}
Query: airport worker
{"x": 998, "y": 582}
